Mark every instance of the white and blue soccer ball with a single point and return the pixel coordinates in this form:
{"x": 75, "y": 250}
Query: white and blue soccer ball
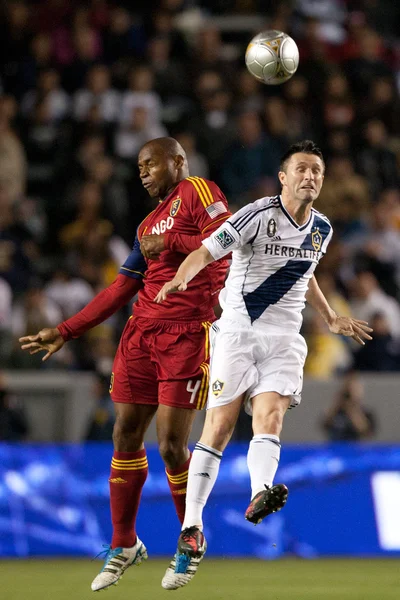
{"x": 272, "y": 57}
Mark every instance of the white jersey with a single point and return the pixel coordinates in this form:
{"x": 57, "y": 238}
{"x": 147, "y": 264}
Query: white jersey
{"x": 273, "y": 260}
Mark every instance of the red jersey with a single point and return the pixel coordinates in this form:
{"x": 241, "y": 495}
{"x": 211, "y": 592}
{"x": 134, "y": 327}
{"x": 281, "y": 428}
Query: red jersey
{"x": 190, "y": 213}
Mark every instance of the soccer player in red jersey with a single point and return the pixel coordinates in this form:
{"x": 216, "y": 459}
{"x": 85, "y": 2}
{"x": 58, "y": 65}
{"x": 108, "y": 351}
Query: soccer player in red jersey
{"x": 161, "y": 365}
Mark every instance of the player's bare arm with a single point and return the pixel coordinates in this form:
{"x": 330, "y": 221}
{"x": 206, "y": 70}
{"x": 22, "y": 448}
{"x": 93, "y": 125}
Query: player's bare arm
{"x": 193, "y": 264}
{"x": 47, "y": 340}
{"x": 354, "y": 328}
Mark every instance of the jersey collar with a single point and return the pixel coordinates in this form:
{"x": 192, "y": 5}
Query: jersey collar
{"x": 291, "y": 220}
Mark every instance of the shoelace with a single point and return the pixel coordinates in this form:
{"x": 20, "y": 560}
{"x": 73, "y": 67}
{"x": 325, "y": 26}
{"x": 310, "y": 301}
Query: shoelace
{"x": 105, "y": 552}
{"x": 108, "y": 553}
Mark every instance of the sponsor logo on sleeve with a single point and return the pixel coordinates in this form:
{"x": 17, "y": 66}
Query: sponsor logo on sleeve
{"x": 224, "y": 239}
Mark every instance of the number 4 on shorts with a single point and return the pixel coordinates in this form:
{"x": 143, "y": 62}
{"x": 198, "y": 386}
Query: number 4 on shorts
{"x": 193, "y": 389}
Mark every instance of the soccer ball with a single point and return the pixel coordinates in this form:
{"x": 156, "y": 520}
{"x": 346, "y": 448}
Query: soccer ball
{"x": 272, "y": 57}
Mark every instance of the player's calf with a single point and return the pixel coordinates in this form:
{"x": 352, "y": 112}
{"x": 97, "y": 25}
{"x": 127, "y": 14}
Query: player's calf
{"x": 266, "y": 502}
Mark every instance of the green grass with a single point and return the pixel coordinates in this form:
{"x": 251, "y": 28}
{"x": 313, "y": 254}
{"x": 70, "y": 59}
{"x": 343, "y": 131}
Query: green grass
{"x": 217, "y": 580}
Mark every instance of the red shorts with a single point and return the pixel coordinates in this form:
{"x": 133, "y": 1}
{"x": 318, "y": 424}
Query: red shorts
{"x": 160, "y": 362}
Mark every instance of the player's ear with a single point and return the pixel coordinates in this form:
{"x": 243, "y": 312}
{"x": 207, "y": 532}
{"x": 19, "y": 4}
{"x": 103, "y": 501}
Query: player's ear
{"x": 282, "y": 177}
{"x": 179, "y": 161}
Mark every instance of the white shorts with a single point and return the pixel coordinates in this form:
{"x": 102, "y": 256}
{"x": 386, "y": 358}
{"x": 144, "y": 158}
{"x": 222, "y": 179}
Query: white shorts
{"x": 246, "y": 360}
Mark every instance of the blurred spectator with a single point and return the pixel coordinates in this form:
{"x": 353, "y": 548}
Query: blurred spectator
{"x": 211, "y": 123}
{"x": 141, "y": 94}
{"x": 197, "y": 162}
{"x": 124, "y": 36}
{"x": 328, "y": 354}
{"x": 251, "y": 162}
{"x": 13, "y": 422}
{"x": 338, "y": 105}
{"x": 98, "y": 92}
{"x": 368, "y": 299}
{"x": 344, "y": 197}
{"x": 375, "y": 161}
{"x": 102, "y": 421}
{"x": 70, "y": 293}
{"x": 40, "y": 58}
{"x": 382, "y": 103}
{"x": 46, "y": 145}
{"x": 383, "y": 351}
{"x": 6, "y": 299}
{"x": 348, "y": 420}
{"x": 91, "y": 248}
{"x": 248, "y": 96}
{"x": 368, "y": 65}
{"x": 18, "y": 250}
{"x": 87, "y": 51}
{"x": 140, "y": 129}
{"x": 12, "y": 153}
{"x": 377, "y": 243}
{"x": 15, "y": 34}
{"x": 47, "y": 87}
{"x": 32, "y": 312}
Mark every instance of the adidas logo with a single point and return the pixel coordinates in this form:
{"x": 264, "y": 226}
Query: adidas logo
{"x": 206, "y": 475}
{"x": 117, "y": 480}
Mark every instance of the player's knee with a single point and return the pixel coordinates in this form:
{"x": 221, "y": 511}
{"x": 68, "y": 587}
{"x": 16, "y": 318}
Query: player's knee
{"x": 269, "y": 422}
{"x": 173, "y": 452}
{"x": 126, "y": 437}
{"x": 217, "y": 432}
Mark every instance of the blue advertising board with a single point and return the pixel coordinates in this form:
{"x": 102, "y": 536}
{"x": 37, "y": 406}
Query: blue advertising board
{"x": 343, "y": 500}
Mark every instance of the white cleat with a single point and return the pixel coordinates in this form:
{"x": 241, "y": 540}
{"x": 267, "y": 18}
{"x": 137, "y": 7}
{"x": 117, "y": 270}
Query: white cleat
{"x": 181, "y": 570}
{"x": 116, "y": 563}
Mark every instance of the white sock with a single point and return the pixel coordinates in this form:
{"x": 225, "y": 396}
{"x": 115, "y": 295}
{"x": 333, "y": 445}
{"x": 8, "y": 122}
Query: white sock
{"x": 262, "y": 461}
{"x": 203, "y": 473}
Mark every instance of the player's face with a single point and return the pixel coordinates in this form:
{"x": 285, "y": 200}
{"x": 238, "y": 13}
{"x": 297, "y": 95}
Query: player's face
{"x": 303, "y": 177}
{"x": 158, "y": 171}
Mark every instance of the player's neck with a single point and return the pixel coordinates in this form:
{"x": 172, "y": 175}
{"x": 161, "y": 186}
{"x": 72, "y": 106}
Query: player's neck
{"x": 169, "y": 190}
{"x": 299, "y": 211}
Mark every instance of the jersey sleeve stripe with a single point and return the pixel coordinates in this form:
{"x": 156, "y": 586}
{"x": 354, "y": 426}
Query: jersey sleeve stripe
{"x": 206, "y": 188}
{"x": 223, "y": 218}
{"x": 199, "y": 191}
{"x": 132, "y": 271}
{"x": 250, "y": 217}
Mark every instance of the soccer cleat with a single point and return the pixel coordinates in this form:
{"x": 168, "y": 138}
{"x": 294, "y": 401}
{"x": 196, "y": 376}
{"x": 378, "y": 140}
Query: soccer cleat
{"x": 116, "y": 562}
{"x": 192, "y": 546}
{"x": 266, "y": 502}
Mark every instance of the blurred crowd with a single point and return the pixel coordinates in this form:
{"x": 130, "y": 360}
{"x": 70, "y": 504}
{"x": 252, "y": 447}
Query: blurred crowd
{"x": 85, "y": 85}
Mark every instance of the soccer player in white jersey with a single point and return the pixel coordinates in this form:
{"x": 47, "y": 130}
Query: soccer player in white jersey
{"x": 258, "y": 353}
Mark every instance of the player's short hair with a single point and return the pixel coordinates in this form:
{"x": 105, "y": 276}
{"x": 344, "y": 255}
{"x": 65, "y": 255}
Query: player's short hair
{"x": 306, "y": 146}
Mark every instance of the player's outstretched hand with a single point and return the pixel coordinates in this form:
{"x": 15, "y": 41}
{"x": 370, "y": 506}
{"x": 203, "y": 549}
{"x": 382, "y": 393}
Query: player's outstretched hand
{"x": 48, "y": 339}
{"x": 354, "y": 328}
{"x": 152, "y": 245}
{"x": 175, "y": 285}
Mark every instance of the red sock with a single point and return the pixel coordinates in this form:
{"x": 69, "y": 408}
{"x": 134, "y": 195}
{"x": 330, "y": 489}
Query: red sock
{"x": 177, "y": 481}
{"x": 128, "y": 474}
